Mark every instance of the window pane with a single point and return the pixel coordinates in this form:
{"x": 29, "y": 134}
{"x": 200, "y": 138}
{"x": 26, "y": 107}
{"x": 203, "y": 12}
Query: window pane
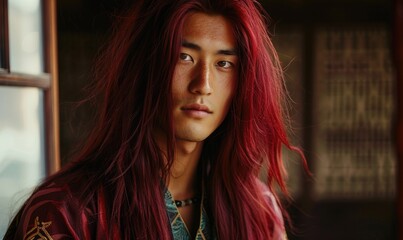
{"x": 22, "y": 163}
{"x": 25, "y": 36}
{"x": 354, "y": 110}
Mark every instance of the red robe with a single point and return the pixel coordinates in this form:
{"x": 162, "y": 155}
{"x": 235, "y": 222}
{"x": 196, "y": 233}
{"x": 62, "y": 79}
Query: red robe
{"x": 54, "y": 213}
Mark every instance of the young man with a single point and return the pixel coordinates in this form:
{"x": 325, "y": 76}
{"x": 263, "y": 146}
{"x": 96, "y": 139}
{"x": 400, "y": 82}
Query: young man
{"x": 190, "y": 111}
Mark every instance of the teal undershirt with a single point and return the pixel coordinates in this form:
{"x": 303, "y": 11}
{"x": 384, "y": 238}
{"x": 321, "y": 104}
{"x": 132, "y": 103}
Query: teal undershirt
{"x": 178, "y": 227}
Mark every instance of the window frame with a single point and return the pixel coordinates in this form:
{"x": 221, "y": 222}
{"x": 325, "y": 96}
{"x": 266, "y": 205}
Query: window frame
{"x": 47, "y": 81}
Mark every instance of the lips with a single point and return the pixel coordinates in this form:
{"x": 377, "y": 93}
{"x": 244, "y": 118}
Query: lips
{"x": 197, "y": 107}
{"x": 196, "y": 110}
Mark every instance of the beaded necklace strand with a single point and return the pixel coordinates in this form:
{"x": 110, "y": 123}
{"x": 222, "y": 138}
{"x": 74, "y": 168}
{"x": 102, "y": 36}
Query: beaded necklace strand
{"x": 187, "y": 202}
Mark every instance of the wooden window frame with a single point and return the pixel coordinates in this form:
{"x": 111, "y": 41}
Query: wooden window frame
{"x": 398, "y": 45}
{"x": 48, "y": 81}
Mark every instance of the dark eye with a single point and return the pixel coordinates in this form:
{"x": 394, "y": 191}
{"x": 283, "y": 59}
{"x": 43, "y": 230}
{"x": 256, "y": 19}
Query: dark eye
{"x": 185, "y": 57}
{"x": 224, "y": 64}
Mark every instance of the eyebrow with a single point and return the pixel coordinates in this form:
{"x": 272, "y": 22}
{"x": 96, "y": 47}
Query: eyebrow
{"x": 196, "y": 47}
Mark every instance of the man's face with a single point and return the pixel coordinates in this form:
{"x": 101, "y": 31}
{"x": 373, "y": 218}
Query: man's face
{"x": 205, "y": 76}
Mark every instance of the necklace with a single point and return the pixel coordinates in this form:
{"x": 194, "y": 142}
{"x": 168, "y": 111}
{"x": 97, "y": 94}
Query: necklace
{"x": 186, "y": 202}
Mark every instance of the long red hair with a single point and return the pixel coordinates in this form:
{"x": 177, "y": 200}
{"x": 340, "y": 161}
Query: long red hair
{"x": 132, "y": 83}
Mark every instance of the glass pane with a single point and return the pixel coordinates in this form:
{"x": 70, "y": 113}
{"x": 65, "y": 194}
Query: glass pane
{"x": 22, "y": 163}
{"x": 25, "y": 28}
{"x": 354, "y": 112}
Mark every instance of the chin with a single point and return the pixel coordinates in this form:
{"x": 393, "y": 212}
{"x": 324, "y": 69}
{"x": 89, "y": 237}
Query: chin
{"x": 192, "y": 136}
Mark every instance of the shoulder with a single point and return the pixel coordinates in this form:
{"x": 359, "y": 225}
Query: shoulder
{"x": 52, "y": 212}
{"x": 274, "y": 205}
{"x": 270, "y": 198}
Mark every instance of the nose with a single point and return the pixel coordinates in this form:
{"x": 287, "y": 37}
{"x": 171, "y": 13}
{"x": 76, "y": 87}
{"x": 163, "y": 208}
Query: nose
{"x": 201, "y": 82}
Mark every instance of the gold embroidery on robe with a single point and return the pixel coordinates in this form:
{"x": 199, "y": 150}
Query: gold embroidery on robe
{"x": 39, "y": 232}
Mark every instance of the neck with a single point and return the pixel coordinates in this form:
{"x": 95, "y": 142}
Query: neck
{"x": 183, "y": 180}
{"x": 184, "y": 176}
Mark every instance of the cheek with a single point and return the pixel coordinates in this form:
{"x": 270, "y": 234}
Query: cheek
{"x": 229, "y": 88}
{"x": 226, "y": 95}
{"x": 232, "y": 89}
{"x": 179, "y": 81}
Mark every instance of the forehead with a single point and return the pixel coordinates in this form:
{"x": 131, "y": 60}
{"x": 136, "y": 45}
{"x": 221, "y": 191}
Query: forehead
{"x": 207, "y": 27}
